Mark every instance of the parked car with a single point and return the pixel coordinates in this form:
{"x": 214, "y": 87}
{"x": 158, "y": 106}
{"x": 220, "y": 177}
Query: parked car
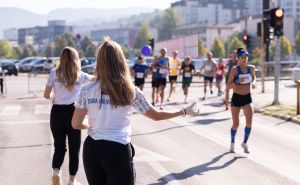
{"x": 50, "y": 63}
{"x": 20, "y": 65}
{"x": 28, "y": 67}
{"x": 88, "y": 65}
{"x": 296, "y": 73}
{"x": 38, "y": 65}
{"x": 10, "y": 67}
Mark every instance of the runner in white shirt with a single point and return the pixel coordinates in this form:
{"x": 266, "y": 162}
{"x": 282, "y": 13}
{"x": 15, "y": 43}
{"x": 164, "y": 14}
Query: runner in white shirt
{"x": 65, "y": 82}
{"x": 109, "y": 102}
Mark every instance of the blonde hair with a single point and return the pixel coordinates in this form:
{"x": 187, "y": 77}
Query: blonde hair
{"x": 69, "y": 67}
{"x": 114, "y": 74}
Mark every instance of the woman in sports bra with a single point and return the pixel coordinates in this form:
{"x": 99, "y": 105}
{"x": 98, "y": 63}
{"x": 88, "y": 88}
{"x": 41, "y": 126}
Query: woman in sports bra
{"x": 241, "y": 80}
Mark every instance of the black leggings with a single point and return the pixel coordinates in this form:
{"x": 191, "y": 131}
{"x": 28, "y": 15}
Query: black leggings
{"x": 108, "y": 163}
{"x": 1, "y": 85}
{"x": 60, "y": 122}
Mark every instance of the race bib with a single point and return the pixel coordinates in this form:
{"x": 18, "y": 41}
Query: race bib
{"x": 162, "y": 71}
{"x": 154, "y": 70}
{"x": 187, "y": 75}
{"x": 140, "y": 75}
{"x": 219, "y": 72}
{"x": 245, "y": 78}
{"x": 208, "y": 68}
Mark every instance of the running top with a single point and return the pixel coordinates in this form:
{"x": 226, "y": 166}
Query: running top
{"x": 162, "y": 72}
{"x": 231, "y": 65}
{"x": 187, "y": 70}
{"x": 209, "y": 70}
{"x": 62, "y": 96}
{"x": 220, "y": 71}
{"x": 247, "y": 77}
{"x": 140, "y": 70}
{"x": 108, "y": 122}
{"x": 174, "y": 65}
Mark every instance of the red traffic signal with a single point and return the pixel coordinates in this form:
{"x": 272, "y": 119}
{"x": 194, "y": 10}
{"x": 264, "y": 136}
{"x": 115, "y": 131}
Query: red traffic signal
{"x": 245, "y": 37}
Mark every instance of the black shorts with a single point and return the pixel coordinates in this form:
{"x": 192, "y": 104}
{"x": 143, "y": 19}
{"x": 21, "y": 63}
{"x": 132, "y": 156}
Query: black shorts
{"x": 209, "y": 78}
{"x": 154, "y": 83}
{"x": 139, "y": 81}
{"x": 161, "y": 81}
{"x": 172, "y": 78}
{"x": 238, "y": 100}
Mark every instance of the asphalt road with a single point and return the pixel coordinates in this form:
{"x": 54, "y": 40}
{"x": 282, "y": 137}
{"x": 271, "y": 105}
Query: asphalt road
{"x": 180, "y": 151}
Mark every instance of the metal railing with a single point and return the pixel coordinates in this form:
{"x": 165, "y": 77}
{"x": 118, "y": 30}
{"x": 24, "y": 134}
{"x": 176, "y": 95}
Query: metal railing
{"x": 36, "y": 82}
{"x": 3, "y": 76}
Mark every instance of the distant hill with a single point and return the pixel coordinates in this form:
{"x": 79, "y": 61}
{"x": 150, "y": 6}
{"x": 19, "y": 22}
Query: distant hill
{"x": 19, "y": 18}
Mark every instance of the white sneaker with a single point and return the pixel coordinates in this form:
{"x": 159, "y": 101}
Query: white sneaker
{"x": 75, "y": 182}
{"x": 245, "y": 147}
{"x": 232, "y": 148}
{"x": 56, "y": 180}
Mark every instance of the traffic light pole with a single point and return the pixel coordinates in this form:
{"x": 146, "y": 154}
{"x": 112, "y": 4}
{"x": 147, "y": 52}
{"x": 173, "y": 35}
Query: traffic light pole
{"x": 262, "y": 56}
{"x": 277, "y": 71}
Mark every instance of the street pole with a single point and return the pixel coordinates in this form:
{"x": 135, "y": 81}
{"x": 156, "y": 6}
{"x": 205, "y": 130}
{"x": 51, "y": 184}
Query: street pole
{"x": 262, "y": 55}
{"x": 277, "y": 71}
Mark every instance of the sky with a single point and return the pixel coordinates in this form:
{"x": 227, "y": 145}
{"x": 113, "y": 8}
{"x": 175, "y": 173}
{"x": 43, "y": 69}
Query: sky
{"x": 44, "y": 6}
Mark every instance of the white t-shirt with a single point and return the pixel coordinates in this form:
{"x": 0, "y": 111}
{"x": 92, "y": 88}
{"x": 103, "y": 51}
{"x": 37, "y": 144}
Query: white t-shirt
{"x": 109, "y": 123}
{"x": 62, "y": 96}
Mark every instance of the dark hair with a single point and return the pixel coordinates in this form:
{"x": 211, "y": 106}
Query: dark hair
{"x": 140, "y": 58}
{"x": 239, "y": 49}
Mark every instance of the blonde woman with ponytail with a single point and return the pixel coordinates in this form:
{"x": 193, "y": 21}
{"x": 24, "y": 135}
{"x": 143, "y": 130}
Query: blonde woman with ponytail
{"x": 109, "y": 102}
{"x": 63, "y": 87}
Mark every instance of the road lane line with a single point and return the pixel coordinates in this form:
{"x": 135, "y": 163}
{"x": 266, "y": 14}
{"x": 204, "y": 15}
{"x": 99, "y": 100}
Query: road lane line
{"x": 42, "y": 109}
{"x": 11, "y": 110}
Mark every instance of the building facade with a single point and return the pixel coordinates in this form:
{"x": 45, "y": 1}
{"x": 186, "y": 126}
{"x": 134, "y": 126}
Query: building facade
{"x": 40, "y": 35}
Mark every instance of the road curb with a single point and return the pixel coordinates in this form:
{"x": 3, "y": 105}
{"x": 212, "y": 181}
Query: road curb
{"x": 279, "y": 116}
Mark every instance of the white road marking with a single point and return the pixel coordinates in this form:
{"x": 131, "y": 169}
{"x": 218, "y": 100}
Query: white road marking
{"x": 11, "y": 110}
{"x": 42, "y": 109}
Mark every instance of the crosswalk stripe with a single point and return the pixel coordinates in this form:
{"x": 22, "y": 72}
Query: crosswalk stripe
{"x": 42, "y": 109}
{"x": 11, "y": 110}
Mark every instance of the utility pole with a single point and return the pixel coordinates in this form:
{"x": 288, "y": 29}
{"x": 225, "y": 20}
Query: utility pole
{"x": 277, "y": 71}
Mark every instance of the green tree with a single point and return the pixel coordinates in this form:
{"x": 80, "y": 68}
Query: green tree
{"x": 48, "y": 51}
{"x": 143, "y": 36}
{"x": 18, "y": 50}
{"x": 126, "y": 51}
{"x": 201, "y": 48}
{"x": 285, "y": 48}
{"x": 90, "y": 50}
{"x": 168, "y": 21}
{"x": 85, "y": 42}
{"x": 28, "y": 51}
{"x": 60, "y": 43}
{"x": 70, "y": 40}
{"x": 6, "y": 51}
{"x": 218, "y": 48}
{"x": 297, "y": 43}
{"x": 235, "y": 43}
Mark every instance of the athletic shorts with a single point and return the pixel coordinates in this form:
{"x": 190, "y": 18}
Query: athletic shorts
{"x": 209, "y": 78}
{"x": 139, "y": 81}
{"x": 186, "y": 82}
{"x": 154, "y": 83}
{"x": 172, "y": 78}
{"x": 219, "y": 78}
{"x": 238, "y": 100}
{"x": 161, "y": 81}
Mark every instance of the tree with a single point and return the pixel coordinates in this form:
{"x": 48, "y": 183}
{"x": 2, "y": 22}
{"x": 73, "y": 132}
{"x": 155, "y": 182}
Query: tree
{"x": 143, "y": 36}
{"x": 297, "y": 43}
{"x": 48, "y": 51}
{"x": 168, "y": 21}
{"x": 201, "y": 48}
{"x": 18, "y": 50}
{"x": 90, "y": 51}
{"x": 126, "y": 51}
{"x": 28, "y": 51}
{"x": 285, "y": 48}
{"x": 6, "y": 51}
{"x": 218, "y": 48}
{"x": 85, "y": 42}
{"x": 235, "y": 43}
{"x": 70, "y": 40}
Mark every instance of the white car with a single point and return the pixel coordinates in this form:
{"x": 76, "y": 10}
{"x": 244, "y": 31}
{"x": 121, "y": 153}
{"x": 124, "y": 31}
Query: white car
{"x": 50, "y": 63}
{"x": 296, "y": 73}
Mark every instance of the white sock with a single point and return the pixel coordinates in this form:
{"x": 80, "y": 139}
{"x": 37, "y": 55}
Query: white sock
{"x": 56, "y": 171}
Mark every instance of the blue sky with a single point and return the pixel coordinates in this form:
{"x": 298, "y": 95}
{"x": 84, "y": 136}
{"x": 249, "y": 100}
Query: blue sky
{"x": 44, "y": 6}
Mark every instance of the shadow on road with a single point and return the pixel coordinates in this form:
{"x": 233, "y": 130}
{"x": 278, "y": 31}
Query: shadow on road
{"x": 163, "y": 130}
{"x": 210, "y": 121}
{"x": 24, "y": 146}
{"x": 197, "y": 170}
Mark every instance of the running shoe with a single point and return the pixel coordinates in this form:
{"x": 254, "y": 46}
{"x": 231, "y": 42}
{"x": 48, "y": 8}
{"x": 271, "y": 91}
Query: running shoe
{"x": 153, "y": 103}
{"x": 56, "y": 180}
{"x": 204, "y": 98}
{"x": 245, "y": 147}
{"x": 75, "y": 182}
{"x": 232, "y": 148}
{"x": 211, "y": 92}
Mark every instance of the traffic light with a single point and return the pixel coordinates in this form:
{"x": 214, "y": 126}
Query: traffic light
{"x": 276, "y": 20}
{"x": 151, "y": 43}
{"x": 247, "y": 40}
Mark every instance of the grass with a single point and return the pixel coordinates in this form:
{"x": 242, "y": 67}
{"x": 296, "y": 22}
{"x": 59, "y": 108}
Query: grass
{"x": 289, "y": 111}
